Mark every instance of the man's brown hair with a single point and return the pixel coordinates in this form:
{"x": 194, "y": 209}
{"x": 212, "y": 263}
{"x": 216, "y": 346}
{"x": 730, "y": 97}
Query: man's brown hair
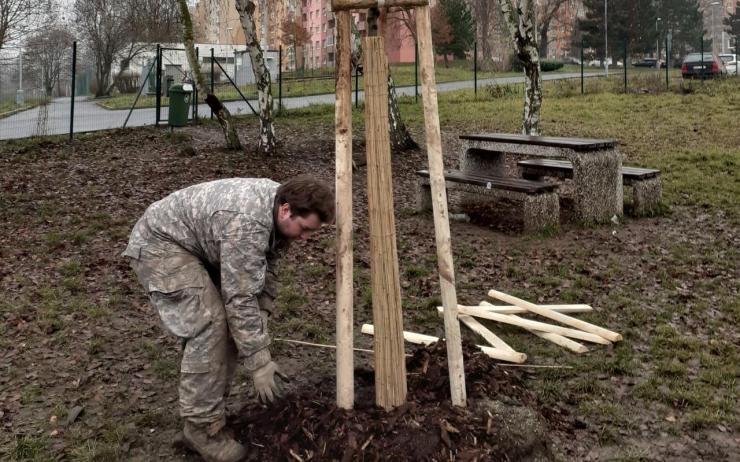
{"x": 307, "y": 195}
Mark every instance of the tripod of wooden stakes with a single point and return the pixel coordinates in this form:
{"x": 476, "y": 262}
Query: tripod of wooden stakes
{"x": 387, "y": 327}
{"x": 390, "y": 366}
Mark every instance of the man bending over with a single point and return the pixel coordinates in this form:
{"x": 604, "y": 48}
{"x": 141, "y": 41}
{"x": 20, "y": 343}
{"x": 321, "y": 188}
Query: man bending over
{"x": 207, "y": 255}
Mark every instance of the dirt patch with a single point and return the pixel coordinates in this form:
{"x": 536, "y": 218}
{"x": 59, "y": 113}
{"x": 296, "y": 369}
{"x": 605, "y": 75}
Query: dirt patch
{"x": 503, "y": 421}
{"x": 88, "y": 374}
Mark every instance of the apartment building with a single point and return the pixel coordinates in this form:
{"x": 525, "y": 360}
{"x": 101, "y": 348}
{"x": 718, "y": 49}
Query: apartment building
{"x": 319, "y": 21}
{"x": 562, "y": 28}
{"x": 714, "y": 13}
{"x": 218, "y": 22}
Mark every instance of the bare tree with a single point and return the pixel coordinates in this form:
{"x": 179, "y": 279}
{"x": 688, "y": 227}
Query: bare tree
{"x": 222, "y": 114}
{"x": 520, "y": 19}
{"x": 104, "y": 29}
{"x": 21, "y": 17}
{"x": 267, "y": 140}
{"x": 47, "y": 52}
{"x": 546, "y": 15}
{"x": 482, "y": 10}
{"x": 294, "y": 33}
{"x": 405, "y": 17}
{"x": 120, "y": 30}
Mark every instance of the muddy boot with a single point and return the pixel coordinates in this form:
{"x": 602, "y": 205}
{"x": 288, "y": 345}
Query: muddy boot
{"x": 212, "y": 442}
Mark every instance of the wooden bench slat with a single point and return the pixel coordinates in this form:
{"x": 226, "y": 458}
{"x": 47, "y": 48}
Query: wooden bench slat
{"x": 577, "y": 144}
{"x": 633, "y": 173}
{"x": 507, "y": 183}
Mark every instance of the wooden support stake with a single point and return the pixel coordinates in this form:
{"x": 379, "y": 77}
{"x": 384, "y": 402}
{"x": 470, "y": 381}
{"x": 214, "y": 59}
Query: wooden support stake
{"x": 390, "y": 364}
{"x": 508, "y": 309}
{"x": 480, "y": 312}
{"x": 340, "y": 5}
{"x": 554, "y": 338}
{"x": 343, "y": 147}
{"x": 555, "y": 316}
{"x": 495, "y": 353}
{"x": 439, "y": 206}
{"x": 480, "y": 329}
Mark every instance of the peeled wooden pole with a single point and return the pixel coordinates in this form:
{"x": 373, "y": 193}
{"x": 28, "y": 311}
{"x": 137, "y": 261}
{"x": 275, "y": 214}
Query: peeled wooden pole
{"x": 508, "y": 309}
{"x": 343, "y": 147}
{"x": 390, "y": 364}
{"x": 439, "y": 206}
{"x": 480, "y": 329}
{"x": 555, "y": 316}
{"x": 554, "y": 338}
{"x": 495, "y": 353}
{"x": 557, "y": 339}
{"x": 480, "y": 312}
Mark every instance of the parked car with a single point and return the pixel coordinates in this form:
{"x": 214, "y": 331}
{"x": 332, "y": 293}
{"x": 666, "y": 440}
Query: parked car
{"x": 730, "y": 62}
{"x": 696, "y": 66}
{"x": 649, "y": 62}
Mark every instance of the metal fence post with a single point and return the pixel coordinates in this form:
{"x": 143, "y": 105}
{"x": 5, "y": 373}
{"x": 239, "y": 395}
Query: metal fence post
{"x": 416, "y": 72}
{"x": 195, "y": 81}
{"x": 667, "y": 62}
{"x": 280, "y": 78}
{"x": 581, "y": 66}
{"x": 702, "y": 59}
{"x": 158, "y": 85}
{"x": 213, "y": 92}
{"x": 72, "y": 92}
{"x": 475, "y": 68}
{"x": 624, "y": 62}
{"x": 357, "y": 87}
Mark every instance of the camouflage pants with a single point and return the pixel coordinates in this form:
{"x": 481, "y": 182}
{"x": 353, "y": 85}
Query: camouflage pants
{"x": 191, "y": 308}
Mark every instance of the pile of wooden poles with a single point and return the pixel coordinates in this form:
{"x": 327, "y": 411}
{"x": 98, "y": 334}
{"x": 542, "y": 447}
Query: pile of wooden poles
{"x": 558, "y": 334}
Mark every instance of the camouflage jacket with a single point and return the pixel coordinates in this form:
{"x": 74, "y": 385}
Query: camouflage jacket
{"x": 229, "y": 225}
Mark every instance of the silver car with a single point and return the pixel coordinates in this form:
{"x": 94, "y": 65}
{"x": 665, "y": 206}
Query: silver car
{"x": 730, "y": 63}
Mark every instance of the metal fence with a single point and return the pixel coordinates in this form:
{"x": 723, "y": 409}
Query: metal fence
{"x": 32, "y": 106}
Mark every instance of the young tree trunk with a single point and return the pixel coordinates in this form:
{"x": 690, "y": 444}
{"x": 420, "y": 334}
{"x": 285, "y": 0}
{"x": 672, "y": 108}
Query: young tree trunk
{"x": 399, "y": 134}
{"x": 400, "y": 137}
{"x": 103, "y": 76}
{"x": 544, "y": 33}
{"x": 520, "y": 21}
{"x": 268, "y": 141}
{"x": 222, "y": 114}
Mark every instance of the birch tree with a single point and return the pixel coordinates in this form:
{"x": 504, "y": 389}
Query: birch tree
{"x": 222, "y": 114}
{"x": 520, "y": 20}
{"x": 400, "y": 137}
{"x": 267, "y": 140}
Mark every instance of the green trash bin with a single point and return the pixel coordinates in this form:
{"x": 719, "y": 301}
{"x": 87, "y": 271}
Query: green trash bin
{"x": 179, "y": 105}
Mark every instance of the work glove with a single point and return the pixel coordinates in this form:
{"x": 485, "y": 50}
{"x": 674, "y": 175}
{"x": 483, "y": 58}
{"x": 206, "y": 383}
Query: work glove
{"x": 267, "y": 386}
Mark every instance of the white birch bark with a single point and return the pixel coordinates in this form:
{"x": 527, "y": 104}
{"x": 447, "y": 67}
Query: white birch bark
{"x": 222, "y": 114}
{"x": 520, "y": 19}
{"x": 267, "y": 140}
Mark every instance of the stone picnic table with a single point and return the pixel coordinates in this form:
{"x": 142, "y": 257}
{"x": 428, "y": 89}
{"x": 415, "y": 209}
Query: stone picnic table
{"x": 597, "y": 166}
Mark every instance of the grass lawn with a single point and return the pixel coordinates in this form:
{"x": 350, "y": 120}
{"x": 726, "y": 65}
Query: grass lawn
{"x": 7, "y": 107}
{"x": 403, "y": 75}
{"x": 76, "y": 329}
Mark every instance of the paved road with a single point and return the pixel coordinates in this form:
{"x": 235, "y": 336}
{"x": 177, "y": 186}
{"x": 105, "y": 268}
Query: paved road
{"x": 90, "y": 117}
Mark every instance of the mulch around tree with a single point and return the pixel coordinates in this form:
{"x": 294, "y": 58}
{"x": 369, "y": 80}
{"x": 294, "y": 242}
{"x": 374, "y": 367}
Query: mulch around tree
{"x": 307, "y": 425}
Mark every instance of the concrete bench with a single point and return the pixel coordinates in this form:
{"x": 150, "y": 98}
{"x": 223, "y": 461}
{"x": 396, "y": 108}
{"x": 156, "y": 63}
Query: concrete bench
{"x": 597, "y": 166}
{"x": 645, "y": 182}
{"x": 541, "y": 207}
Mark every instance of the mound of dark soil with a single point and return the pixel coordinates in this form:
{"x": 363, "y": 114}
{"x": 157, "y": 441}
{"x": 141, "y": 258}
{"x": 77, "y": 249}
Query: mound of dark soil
{"x": 503, "y": 421}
